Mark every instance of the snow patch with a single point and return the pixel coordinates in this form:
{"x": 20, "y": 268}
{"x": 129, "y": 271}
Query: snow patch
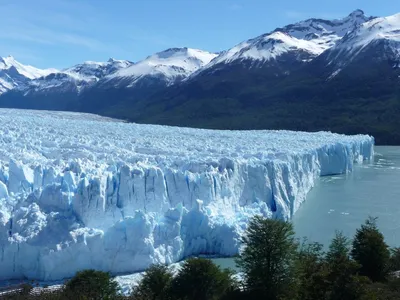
{"x": 312, "y": 36}
{"x": 171, "y": 64}
{"x": 25, "y": 70}
{"x": 377, "y": 30}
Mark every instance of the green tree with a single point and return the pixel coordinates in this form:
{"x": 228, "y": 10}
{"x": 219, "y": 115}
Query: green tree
{"x": 201, "y": 279}
{"x": 155, "y": 284}
{"x": 371, "y": 251}
{"x": 394, "y": 264}
{"x": 343, "y": 281}
{"x": 26, "y": 289}
{"x": 92, "y": 284}
{"x": 268, "y": 257}
{"x": 312, "y": 272}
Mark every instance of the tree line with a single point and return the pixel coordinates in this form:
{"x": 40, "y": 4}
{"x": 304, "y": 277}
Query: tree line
{"x": 273, "y": 264}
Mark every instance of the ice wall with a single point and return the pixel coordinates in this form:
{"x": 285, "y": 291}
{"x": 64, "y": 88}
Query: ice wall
{"x": 78, "y": 191}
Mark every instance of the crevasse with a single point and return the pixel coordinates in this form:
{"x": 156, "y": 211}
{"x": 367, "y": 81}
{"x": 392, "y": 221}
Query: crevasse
{"x": 79, "y": 191}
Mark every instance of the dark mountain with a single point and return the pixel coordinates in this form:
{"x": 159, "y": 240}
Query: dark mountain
{"x": 351, "y": 87}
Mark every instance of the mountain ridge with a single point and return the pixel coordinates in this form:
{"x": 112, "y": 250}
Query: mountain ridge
{"x": 330, "y": 67}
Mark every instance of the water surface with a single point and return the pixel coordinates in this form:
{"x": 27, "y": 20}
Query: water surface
{"x": 344, "y": 202}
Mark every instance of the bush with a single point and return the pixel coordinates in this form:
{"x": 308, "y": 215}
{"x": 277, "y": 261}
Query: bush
{"x": 155, "y": 284}
{"x": 201, "y": 279}
{"x": 386, "y": 291}
{"x": 92, "y": 284}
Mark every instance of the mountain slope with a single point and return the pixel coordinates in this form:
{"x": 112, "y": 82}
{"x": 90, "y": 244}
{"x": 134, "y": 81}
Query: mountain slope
{"x": 310, "y": 37}
{"x": 264, "y": 60}
{"x": 13, "y": 73}
{"x": 141, "y": 80}
{"x": 94, "y": 71}
{"x": 352, "y": 87}
{"x": 381, "y": 34}
{"x": 326, "y": 31}
{"x": 76, "y": 77}
{"x": 60, "y": 89}
{"x": 171, "y": 65}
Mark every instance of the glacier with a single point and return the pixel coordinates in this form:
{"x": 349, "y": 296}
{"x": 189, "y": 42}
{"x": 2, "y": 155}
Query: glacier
{"x": 81, "y": 191}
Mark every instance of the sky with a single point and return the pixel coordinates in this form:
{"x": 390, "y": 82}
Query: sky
{"x": 61, "y": 33}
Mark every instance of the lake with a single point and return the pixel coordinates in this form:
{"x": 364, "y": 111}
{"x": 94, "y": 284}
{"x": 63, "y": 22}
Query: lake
{"x": 344, "y": 202}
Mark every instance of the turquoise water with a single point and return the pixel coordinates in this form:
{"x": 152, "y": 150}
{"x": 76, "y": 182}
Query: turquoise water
{"x": 344, "y": 202}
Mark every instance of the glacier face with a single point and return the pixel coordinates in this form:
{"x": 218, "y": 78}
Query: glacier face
{"x": 80, "y": 191}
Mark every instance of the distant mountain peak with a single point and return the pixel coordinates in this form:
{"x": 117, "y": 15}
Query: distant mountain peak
{"x": 8, "y": 57}
{"x": 183, "y": 51}
{"x": 337, "y": 28}
{"x": 170, "y": 65}
{"x": 377, "y": 31}
{"x": 357, "y": 13}
{"x": 14, "y": 73}
{"x": 74, "y": 79}
{"x": 112, "y": 60}
{"x": 7, "y": 61}
{"x": 302, "y": 41}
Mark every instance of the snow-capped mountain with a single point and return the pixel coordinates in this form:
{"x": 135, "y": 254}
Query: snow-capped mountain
{"x": 25, "y": 70}
{"x": 267, "y": 47}
{"x": 144, "y": 78}
{"x": 75, "y": 78}
{"x": 326, "y": 32}
{"x": 170, "y": 66}
{"x": 91, "y": 70}
{"x": 13, "y": 73}
{"x": 284, "y": 79}
{"x": 380, "y": 36}
{"x": 305, "y": 40}
{"x": 284, "y": 48}
{"x": 159, "y": 70}
{"x": 59, "y": 90}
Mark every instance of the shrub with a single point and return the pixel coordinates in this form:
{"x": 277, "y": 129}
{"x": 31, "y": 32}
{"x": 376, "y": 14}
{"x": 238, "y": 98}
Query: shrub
{"x": 201, "y": 279}
{"x": 155, "y": 284}
{"x": 92, "y": 284}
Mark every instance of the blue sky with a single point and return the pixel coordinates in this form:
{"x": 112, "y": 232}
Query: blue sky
{"x": 61, "y": 33}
